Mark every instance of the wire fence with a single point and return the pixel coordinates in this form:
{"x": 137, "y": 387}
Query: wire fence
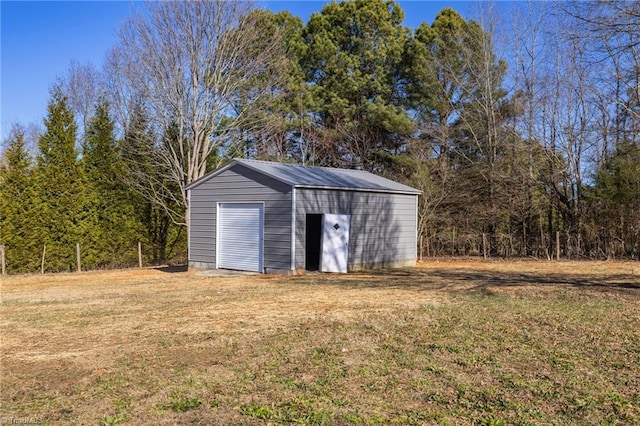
{"x": 442, "y": 244}
{"x": 62, "y": 258}
{"x": 560, "y": 245}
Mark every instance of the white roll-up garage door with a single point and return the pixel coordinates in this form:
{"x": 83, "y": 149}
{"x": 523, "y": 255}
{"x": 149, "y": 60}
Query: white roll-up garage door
{"x": 240, "y": 230}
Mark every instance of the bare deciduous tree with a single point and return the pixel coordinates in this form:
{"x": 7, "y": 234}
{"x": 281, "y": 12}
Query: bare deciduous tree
{"x": 192, "y": 66}
{"x": 83, "y": 85}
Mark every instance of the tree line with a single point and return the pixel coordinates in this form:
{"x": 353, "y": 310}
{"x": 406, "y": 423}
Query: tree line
{"x": 66, "y": 196}
{"x": 519, "y": 126}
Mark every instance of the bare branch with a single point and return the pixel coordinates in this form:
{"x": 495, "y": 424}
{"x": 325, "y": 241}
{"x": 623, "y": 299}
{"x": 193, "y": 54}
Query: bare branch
{"x": 190, "y": 64}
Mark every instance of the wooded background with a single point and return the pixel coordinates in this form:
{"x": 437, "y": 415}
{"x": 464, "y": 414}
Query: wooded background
{"x": 520, "y": 126}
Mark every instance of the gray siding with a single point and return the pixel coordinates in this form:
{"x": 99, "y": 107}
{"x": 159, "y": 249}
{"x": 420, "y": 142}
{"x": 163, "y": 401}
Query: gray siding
{"x": 241, "y": 184}
{"x": 383, "y": 226}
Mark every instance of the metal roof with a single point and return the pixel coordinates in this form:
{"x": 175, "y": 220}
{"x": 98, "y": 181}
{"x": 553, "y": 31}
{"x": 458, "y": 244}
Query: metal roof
{"x": 317, "y": 177}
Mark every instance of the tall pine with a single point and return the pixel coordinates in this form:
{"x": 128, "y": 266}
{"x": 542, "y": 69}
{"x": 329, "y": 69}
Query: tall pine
{"x": 615, "y": 203}
{"x": 19, "y": 207}
{"x": 352, "y": 64}
{"x": 113, "y": 228}
{"x": 62, "y": 187}
{"x": 162, "y": 237}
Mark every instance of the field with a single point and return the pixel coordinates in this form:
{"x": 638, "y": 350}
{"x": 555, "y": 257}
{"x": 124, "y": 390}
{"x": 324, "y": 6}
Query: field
{"x": 449, "y": 342}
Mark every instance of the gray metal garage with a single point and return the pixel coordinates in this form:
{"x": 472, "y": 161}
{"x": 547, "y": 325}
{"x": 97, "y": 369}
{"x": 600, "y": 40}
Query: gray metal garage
{"x": 270, "y": 217}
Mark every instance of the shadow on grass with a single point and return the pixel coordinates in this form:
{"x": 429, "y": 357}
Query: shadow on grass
{"x": 172, "y": 268}
{"x": 469, "y": 279}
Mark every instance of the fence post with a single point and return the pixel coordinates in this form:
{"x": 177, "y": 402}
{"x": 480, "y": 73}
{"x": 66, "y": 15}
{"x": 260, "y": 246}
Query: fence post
{"x": 44, "y": 252}
{"x": 557, "y": 245}
{"x": 4, "y": 269}
{"x": 140, "y": 254}
{"x": 484, "y": 245}
{"x": 78, "y": 257}
{"x": 428, "y": 249}
{"x": 453, "y": 241}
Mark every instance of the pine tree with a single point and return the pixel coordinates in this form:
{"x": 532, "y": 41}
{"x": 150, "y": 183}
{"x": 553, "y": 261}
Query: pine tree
{"x": 616, "y": 202}
{"x": 19, "y": 207}
{"x": 281, "y": 114}
{"x": 352, "y": 64}
{"x": 113, "y": 227}
{"x": 139, "y": 151}
{"x": 61, "y": 186}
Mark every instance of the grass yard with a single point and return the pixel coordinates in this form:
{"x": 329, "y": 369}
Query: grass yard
{"x": 451, "y": 342}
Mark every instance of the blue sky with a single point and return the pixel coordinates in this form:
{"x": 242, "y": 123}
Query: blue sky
{"x": 40, "y": 39}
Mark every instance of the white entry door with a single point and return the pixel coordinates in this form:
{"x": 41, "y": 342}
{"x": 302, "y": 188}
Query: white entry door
{"x": 335, "y": 242}
{"x": 240, "y": 230}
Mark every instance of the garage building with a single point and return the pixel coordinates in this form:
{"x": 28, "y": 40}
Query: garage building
{"x": 279, "y": 218}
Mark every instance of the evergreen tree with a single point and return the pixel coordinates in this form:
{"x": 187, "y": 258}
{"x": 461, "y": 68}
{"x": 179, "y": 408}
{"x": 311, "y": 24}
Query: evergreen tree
{"x": 280, "y": 135}
{"x": 113, "y": 226}
{"x": 62, "y": 187}
{"x": 139, "y": 150}
{"x": 353, "y": 63}
{"x": 438, "y": 75}
{"x": 455, "y": 85}
{"x": 19, "y": 207}
{"x": 481, "y": 150}
{"x": 616, "y": 203}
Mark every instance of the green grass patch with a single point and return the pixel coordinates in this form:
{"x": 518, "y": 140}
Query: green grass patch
{"x": 180, "y": 403}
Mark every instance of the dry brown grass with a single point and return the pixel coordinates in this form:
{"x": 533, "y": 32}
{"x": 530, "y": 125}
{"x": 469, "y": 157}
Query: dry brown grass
{"x": 449, "y": 342}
